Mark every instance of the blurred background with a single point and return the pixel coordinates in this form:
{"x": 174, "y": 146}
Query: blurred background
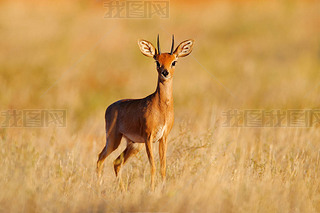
{"x": 71, "y": 55}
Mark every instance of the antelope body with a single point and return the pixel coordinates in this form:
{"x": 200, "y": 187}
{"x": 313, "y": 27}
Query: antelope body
{"x": 146, "y": 120}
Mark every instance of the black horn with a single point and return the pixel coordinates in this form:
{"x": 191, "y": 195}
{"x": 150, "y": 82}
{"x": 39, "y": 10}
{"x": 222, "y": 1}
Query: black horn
{"x": 172, "y": 46}
{"x": 159, "y": 52}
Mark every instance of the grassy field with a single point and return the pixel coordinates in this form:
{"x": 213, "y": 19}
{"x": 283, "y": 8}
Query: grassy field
{"x": 249, "y": 55}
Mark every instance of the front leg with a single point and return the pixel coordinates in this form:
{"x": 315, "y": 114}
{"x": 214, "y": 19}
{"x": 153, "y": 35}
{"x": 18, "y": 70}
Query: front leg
{"x": 162, "y": 155}
{"x": 151, "y": 160}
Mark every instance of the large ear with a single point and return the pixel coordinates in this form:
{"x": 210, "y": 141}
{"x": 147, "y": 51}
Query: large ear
{"x": 147, "y": 48}
{"x": 184, "y": 48}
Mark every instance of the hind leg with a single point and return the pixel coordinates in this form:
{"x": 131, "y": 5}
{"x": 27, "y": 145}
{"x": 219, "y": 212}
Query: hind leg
{"x": 131, "y": 150}
{"x": 113, "y": 141}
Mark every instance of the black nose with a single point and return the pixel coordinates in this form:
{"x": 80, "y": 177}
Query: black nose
{"x": 165, "y": 73}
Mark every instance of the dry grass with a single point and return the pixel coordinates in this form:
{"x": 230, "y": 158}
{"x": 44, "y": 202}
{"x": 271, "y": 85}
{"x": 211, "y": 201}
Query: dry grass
{"x": 267, "y": 55}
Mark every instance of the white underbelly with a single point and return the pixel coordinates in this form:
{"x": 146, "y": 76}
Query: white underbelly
{"x": 134, "y": 137}
{"x": 158, "y": 134}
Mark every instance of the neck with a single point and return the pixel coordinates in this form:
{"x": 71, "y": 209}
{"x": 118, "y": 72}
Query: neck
{"x": 163, "y": 92}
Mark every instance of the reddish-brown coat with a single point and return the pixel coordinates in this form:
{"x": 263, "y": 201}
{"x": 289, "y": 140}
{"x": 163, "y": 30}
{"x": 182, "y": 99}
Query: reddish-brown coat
{"x": 146, "y": 120}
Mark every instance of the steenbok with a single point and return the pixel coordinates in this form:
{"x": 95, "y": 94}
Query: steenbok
{"x": 146, "y": 120}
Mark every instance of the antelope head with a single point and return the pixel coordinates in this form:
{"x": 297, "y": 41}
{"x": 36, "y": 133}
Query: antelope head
{"x": 166, "y": 62}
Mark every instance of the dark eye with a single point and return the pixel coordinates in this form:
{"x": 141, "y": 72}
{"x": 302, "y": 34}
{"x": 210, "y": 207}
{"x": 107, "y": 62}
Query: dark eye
{"x": 158, "y": 64}
{"x": 173, "y": 63}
